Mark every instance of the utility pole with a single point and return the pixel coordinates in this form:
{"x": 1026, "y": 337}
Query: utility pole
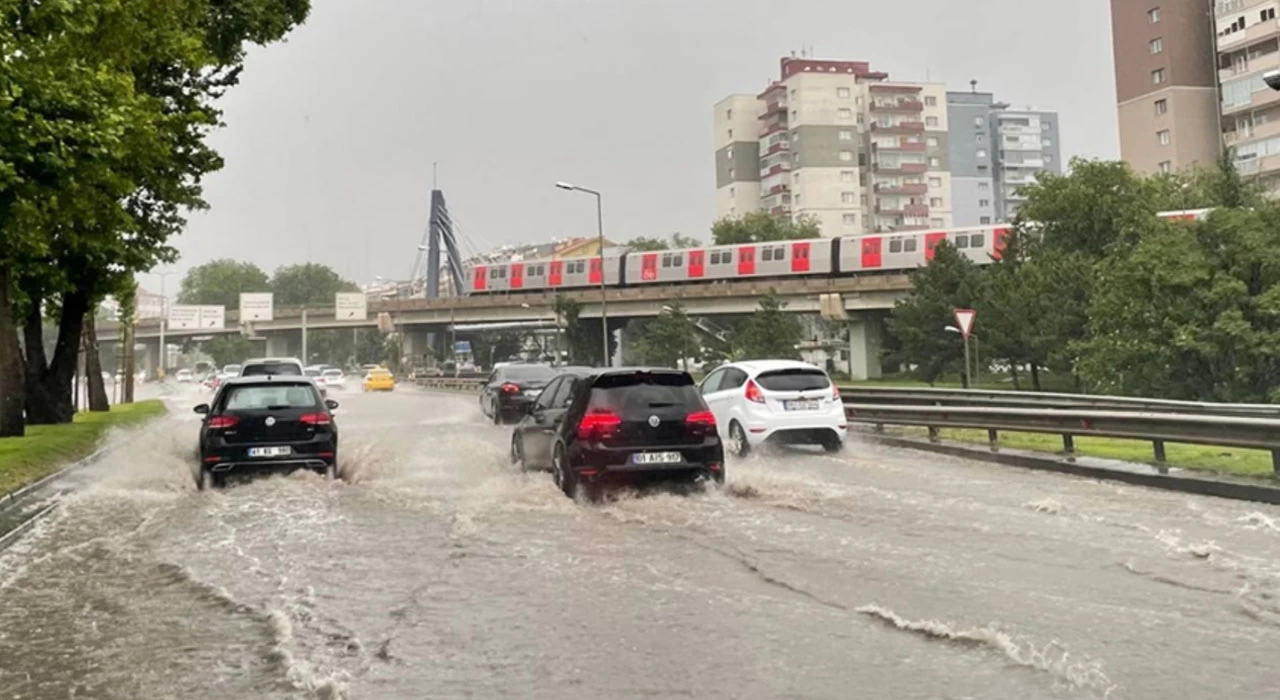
{"x": 304, "y": 337}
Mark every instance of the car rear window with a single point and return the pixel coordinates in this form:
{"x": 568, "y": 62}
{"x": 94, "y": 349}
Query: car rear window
{"x": 333, "y": 373}
{"x": 527, "y": 373}
{"x": 271, "y": 368}
{"x": 636, "y": 395}
{"x": 797, "y": 379}
{"x": 269, "y": 396}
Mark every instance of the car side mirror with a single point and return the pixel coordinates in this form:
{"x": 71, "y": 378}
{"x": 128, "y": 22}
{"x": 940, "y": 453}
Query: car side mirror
{"x": 202, "y": 409}
{"x": 531, "y": 408}
{"x": 331, "y": 404}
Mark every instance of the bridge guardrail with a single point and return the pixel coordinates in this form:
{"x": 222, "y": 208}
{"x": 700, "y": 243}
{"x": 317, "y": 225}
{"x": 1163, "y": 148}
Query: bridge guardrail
{"x": 1244, "y": 431}
{"x": 464, "y": 384}
{"x": 928, "y": 396}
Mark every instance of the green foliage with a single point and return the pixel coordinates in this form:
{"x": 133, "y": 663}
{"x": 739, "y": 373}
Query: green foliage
{"x": 769, "y": 334}
{"x": 1097, "y": 205}
{"x": 581, "y": 339}
{"x": 950, "y": 281}
{"x": 496, "y": 346}
{"x": 228, "y": 349}
{"x": 645, "y": 244}
{"x": 668, "y": 338}
{"x": 220, "y": 282}
{"x": 755, "y": 227}
{"x": 309, "y": 283}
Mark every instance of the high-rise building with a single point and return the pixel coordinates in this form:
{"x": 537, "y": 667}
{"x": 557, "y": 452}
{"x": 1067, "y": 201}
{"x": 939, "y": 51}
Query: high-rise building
{"x": 839, "y": 143}
{"x": 1248, "y": 46}
{"x": 1166, "y": 90}
{"x": 995, "y": 150}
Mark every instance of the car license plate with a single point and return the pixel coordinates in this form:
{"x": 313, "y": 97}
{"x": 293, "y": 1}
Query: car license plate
{"x": 532, "y": 393}
{"x": 270, "y": 451}
{"x": 657, "y": 458}
{"x": 800, "y": 405}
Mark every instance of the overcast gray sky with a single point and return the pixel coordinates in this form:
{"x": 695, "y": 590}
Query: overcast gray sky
{"x": 331, "y": 136}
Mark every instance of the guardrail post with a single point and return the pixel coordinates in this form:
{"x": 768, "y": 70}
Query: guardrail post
{"x": 993, "y": 439}
{"x": 933, "y": 433}
{"x": 1161, "y": 467}
{"x": 1275, "y": 462}
{"x": 879, "y": 427}
{"x": 1069, "y": 447}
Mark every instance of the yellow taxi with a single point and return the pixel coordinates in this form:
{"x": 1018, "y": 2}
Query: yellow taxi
{"x": 379, "y": 379}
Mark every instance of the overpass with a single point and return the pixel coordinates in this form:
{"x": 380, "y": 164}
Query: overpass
{"x": 866, "y": 299}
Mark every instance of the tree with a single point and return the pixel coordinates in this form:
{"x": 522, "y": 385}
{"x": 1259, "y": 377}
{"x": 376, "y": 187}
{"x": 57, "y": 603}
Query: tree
{"x": 220, "y": 283}
{"x": 228, "y": 348}
{"x": 770, "y": 333}
{"x": 950, "y": 281}
{"x": 645, "y": 244}
{"x": 309, "y": 283}
{"x": 489, "y": 347}
{"x": 668, "y": 338}
{"x": 1191, "y": 311}
{"x": 581, "y": 339}
{"x": 759, "y": 226}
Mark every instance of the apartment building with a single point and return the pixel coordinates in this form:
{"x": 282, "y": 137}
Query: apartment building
{"x": 1248, "y": 46}
{"x": 838, "y": 142}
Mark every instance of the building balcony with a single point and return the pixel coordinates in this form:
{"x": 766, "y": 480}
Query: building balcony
{"x": 780, "y": 211}
{"x": 772, "y": 127}
{"x": 904, "y": 127}
{"x": 904, "y": 145}
{"x": 906, "y": 188}
{"x": 778, "y": 189}
{"x": 902, "y": 168}
{"x": 903, "y": 106}
{"x": 773, "y": 107}
{"x": 774, "y": 169}
{"x": 778, "y": 147}
{"x": 1265, "y": 62}
{"x": 1255, "y": 33}
{"x": 916, "y": 211}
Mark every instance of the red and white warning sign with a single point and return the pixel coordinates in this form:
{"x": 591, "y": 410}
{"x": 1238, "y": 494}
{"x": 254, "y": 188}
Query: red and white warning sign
{"x": 964, "y": 319}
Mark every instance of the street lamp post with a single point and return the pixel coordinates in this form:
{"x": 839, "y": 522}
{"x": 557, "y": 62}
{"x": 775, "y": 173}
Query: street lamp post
{"x": 604, "y": 313}
{"x": 164, "y": 321}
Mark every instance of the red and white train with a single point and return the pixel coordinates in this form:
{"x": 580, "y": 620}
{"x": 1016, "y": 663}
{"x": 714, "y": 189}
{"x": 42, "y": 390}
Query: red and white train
{"x": 820, "y": 257}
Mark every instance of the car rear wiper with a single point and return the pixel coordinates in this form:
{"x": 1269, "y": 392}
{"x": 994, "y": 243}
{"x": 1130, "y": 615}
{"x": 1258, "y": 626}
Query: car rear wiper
{"x": 279, "y": 407}
{"x": 661, "y": 404}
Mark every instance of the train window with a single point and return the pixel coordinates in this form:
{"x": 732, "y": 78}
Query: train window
{"x": 962, "y": 242}
{"x": 715, "y": 257}
{"x": 666, "y": 260}
{"x": 779, "y": 253}
{"x": 909, "y": 245}
{"x": 895, "y": 245}
{"x": 766, "y": 254}
{"x": 678, "y": 260}
{"x": 977, "y": 240}
{"x": 493, "y": 273}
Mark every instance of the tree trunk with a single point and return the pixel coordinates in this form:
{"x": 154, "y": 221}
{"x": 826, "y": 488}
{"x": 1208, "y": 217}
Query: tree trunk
{"x": 126, "y": 381}
{"x": 93, "y": 367}
{"x": 1035, "y": 376}
{"x": 1013, "y": 373}
{"x": 49, "y": 397}
{"x": 12, "y": 381}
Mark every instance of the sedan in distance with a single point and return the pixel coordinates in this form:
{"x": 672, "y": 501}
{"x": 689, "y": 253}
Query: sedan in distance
{"x": 185, "y": 376}
{"x": 509, "y": 389}
{"x": 379, "y": 379}
{"x": 775, "y": 401}
{"x": 334, "y": 378}
{"x": 266, "y": 423}
{"x": 620, "y": 424}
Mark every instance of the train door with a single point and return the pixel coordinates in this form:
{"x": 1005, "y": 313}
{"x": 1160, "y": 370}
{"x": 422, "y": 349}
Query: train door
{"x": 556, "y": 277}
{"x": 1001, "y": 239}
{"x": 872, "y": 252}
{"x": 649, "y": 267}
{"x": 800, "y": 257}
{"x": 697, "y": 264}
{"x": 480, "y": 278}
{"x": 596, "y": 273}
{"x": 517, "y": 276}
{"x": 931, "y": 241}
{"x": 746, "y": 260}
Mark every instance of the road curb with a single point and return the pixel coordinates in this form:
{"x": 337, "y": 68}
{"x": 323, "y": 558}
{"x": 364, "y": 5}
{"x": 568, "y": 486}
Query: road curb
{"x": 1177, "y": 480}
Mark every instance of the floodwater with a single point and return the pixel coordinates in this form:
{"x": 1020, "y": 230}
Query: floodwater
{"x": 434, "y": 570}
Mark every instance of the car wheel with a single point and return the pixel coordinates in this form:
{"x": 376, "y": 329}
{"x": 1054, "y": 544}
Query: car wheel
{"x": 737, "y": 444}
{"x": 833, "y": 444}
{"x": 565, "y": 477}
{"x": 517, "y": 452}
{"x": 497, "y": 414}
{"x": 718, "y": 476}
{"x": 331, "y": 471}
{"x": 207, "y": 481}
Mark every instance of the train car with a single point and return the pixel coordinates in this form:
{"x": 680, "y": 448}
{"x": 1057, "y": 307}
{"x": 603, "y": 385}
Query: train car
{"x": 880, "y": 252}
{"x": 1185, "y": 214}
{"x": 748, "y": 260}
{"x": 541, "y": 275}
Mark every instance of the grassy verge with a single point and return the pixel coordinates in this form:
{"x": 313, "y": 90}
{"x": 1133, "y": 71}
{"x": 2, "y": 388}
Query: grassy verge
{"x": 45, "y": 448}
{"x": 1222, "y": 460}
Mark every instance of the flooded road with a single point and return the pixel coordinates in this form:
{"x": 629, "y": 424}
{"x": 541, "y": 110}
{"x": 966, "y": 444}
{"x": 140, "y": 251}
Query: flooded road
{"x": 433, "y": 570}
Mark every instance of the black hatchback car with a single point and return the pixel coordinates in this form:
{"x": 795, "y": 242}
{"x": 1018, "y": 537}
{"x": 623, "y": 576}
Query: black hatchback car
{"x": 636, "y": 424}
{"x": 267, "y": 423}
{"x": 512, "y": 387}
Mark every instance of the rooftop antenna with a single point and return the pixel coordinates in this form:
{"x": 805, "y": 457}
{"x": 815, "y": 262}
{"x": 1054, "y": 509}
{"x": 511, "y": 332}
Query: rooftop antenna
{"x": 973, "y": 86}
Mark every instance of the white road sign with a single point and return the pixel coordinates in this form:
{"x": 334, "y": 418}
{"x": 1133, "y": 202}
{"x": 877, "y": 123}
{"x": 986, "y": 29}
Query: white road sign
{"x": 184, "y": 318}
{"x": 964, "y": 319}
{"x": 350, "y": 306}
{"x": 213, "y": 318}
{"x": 256, "y": 306}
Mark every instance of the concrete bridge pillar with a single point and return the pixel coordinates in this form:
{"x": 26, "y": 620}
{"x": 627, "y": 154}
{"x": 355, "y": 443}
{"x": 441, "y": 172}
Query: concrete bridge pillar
{"x": 277, "y": 344}
{"x": 147, "y": 358}
{"x": 866, "y": 338}
{"x": 416, "y": 345}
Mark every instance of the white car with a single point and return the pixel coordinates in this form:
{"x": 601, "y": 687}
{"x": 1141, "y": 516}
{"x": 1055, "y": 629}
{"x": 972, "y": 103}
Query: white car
{"x": 334, "y": 378}
{"x": 185, "y": 376}
{"x": 779, "y": 401}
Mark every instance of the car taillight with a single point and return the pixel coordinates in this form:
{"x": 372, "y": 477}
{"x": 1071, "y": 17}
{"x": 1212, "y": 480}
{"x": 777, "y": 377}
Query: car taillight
{"x": 701, "y": 422}
{"x": 835, "y": 393}
{"x": 315, "y": 419}
{"x": 753, "y": 392}
{"x": 510, "y": 389}
{"x": 598, "y": 425}
{"x": 223, "y": 422}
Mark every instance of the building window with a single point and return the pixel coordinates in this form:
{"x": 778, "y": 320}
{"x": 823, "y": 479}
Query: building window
{"x": 844, "y": 113}
{"x": 935, "y": 202}
{"x": 982, "y": 153}
{"x": 936, "y": 223}
{"x": 730, "y": 173}
{"x": 930, "y": 121}
{"x": 984, "y": 220}
{"x": 1157, "y": 76}
{"x": 930, "y": 101}
{"x": 1048, "y": 157}
{"x": 932, "y": 141}
{"x": 984, "y": 202}
{"x": 728, "y": 113}
{"x": 846, "y": 176}
{"x": 1162, "y": 107}
{"x": 979, "y": 121}
{"x": 1166, "y": 167}
{"x": 842, "y": 93}
{"x": 849, "y": 197}
{"x": 793, "y": 94}
{"x": 729, "y": 154}
{"x": 935, "y": 182}
{"x": 731, "y": 134}
{"x": 1163, "y": 137}
{"x": 860, "y": 118}
{"x": 934, "y": 162}
{"x": 846, "y": 156}
{"x": 984, "y": 186}
{"x": 796, "y": 199}
{"x": 1157, "y": 45}
{"x": 850, "y": 219}
{"x": 1269, "y": 13}
{"x": 982, "y": 138}
{"x": 733, "y": 192}
{"x": 1153, "y": 15}
{"x": 846, "y": 135}
{"x": 795, "y": 115}
{"x": 1047, "y": 143}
